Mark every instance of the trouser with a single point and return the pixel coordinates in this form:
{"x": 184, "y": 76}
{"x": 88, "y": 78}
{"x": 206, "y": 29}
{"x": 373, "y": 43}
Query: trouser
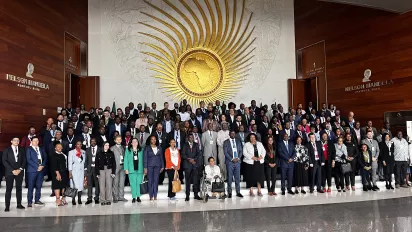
{"x": 366, "y": 177}
{"x": 92, "y": 179}
{"x": 181, "y": 175}
{"x": 118, "y": 184}
{"x": 388, "y": 171}
{"x": 327, "y": 174}
{"x": 191, "y": 177}
{"x": 339, "y": 179}
{"x": 135, "y": 180}
{"x": 222, "y": 165}
{"x": 9, "y": 187}
{"x": 400, "y": 172}
{"x": 287, "y": 172}
{"x": 352, "y": 174}
{"x": 153, "y": 179}
{"x": 381, "y": 175}
{"x": 35, "y": 180}
{"x": 374, "y": 172}
{"x": 163, "y": 173}
{"x": 170, "y": 175}
{"x": 347, "y": 176}
{"x": 233, "y": 170}
{"x": 105, "y": 185}
{"x": 270, "y": 174}
{"x": 316, "y": 172}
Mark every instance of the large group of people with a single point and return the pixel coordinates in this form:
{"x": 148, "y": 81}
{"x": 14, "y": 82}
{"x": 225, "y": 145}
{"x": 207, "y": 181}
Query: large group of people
{"x": 102, "y": 150}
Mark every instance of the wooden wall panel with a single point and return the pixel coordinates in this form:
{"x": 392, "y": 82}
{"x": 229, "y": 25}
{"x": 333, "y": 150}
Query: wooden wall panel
{"x": 33, "y": 31}
{"x": 356, "y": 39}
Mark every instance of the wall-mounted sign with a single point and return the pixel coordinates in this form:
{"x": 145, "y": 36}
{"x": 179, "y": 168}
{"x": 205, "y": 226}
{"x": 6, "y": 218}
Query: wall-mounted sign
{"x": 28, "y": 82}
{"x": 315, "y": 71}
{"x": 368, "y": 85}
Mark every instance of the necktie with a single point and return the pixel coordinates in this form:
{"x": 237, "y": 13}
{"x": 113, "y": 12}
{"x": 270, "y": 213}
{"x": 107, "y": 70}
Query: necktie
{"x": 210, "y": 134}
{"x": 287, "y": 147}
{"x": 141, "y": 138}
{"x": 316, "y": 151}
{"x": 234, "y": 149}
{"x": 93, "y": 151}
{"x": 16, "y": 150}
{"x": 37, "y": 150}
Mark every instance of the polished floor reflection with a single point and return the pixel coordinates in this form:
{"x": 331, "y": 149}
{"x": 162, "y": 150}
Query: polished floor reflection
{"x": 382, "y": 215}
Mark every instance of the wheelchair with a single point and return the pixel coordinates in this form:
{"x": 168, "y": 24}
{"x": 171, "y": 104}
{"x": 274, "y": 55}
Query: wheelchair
{"x": 205, "y": 187}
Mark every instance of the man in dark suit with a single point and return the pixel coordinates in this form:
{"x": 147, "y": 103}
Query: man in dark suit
{"x": 316, "y": 161}
{"x": 26, "y": 140}
{"x": 367, "y": 128}
{"x": 36, "y": 161}
{"x": 77, "y": 126}
{"x": 102, "y": 137}
{"x": 193, "y": 122}
{"x": 246, "y": 118}
{"x": 155, "y": 113}
{"x": 300, "y": 133}
{"x": 133, "y": 112}
{"x": 253, "y": 108}
{"x": 190, "y": 160}
{"x": 231, "y": 119}
{"x": 233, "y": 150}
{"x": 287, "y": 154}
{"x": 219, "y": 108}
{"x": 14, "y": 161}
{"x": 289, "y": 132}
{"x": 90, "y": 166}
{"x": 163, "y": 142}
{"x": 61, "y": 124}
{"x": 237, "y": 123}
{"x": 150, "y": 128}
{"x": 175, "y": 111}
{"x": 70, "y": 138}
{"x": 117, "y": 126}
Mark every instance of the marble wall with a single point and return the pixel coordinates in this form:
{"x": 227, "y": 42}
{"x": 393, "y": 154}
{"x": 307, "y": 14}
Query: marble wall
{"x": 115, "y": 50}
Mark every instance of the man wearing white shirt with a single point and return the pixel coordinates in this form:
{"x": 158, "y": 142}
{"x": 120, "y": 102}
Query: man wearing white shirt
{"x": 221, "y": 138}
{"x": 85, "y": 138}
{"x": 36, "y": 161}
{"x": 233, "y": 150}
{"x": 401, "y": 155}
{"x": 90, "y": 165}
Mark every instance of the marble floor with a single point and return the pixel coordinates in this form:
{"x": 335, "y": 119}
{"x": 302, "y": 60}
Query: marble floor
{"x": 378, "y": 216}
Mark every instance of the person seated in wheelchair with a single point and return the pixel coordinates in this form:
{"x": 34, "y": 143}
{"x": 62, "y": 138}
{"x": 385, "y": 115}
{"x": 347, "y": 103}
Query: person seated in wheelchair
{"x": 213, "y": 174}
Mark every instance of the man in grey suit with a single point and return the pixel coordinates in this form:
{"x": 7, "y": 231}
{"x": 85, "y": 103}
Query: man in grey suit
{"x": 118, "y": 182}
{"x": 233, "y": 150}
{"x": 142, "y": 136}
{"x": 364, "y": 131}
{"x": 209, "y": 143}
{"x": 89, "y": 164}
{"x": 242, "y": 135}
{"x": 373, "y": 147}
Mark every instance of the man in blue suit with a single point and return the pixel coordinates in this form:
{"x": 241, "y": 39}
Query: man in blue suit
{"x": 330, "y": 133}
{"x": 36, "y": 161}
{"x": 117, "y": 126}
{"x": 233, "y": 151}
{"x": 287, "y": 153}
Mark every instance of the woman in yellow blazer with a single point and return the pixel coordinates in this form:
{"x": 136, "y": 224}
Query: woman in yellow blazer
{"x": 133, "y": 166}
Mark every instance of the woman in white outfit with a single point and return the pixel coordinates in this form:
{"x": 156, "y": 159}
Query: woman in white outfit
{"x": 76, "y": 170}
{"x": 212, "y": 172}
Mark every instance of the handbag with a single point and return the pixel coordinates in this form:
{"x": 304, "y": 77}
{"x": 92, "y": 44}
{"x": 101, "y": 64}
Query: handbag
{"x": 346, "y": 167}
{"x": 176, "y": 184}
{"x": 70, "y": 192}
{"x": 144, "y": 186}
{"x": 218, "y": 187}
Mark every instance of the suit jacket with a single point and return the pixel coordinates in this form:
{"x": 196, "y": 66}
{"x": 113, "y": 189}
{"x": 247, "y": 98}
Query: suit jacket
{"x": 372, "y": 147}
{"x": 173, "y": 113}
{"x": 180, "y": 141}
{"x": 64, "y": 144}
{"x": 215, "y": 125}
{"x": 112, "y": 129}
{"x": 286, "y": 153}
{"x": 9, "y": 162}
{"x": 26, "y": 142}
{"x": 187, "y": 153}
{"x": 64, "y": 129}
{"x": 209, "y": 148}
{"x": 246, "y": 121}
{"x": 235, "y": 126}
{"x": 146, "y": 129}
{"x": 243, "y": 138}
{"x": 163, "y": 142}
{"x": 129, "y": 162}
{"x": 118, "y": 154}
{"x": 32, "y": 159}
{"x": 77, "y": 128}
{"x": 262, "y": 129}
{"x": 89, "y": 158}
{"x": 386, "y": 153}
{"x": 100, "y": 141}
{"x": 151, "y": 159}
{"x": 292, "y": 135}
{"x": 374, "y": 131}
{"x": 302, "y": 135}
{"x": 331, "y": 136}
{"x": 143, "y": 142}
{"x": 155, "y": 115}
{"x": 197, "y": 124}
{"x": 311, "y": 152}
{"x": 228, "y": 150}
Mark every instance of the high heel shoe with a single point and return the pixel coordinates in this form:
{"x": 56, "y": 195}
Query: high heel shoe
{"x": 63, "y": 200}
{"x": 59, "y": 203}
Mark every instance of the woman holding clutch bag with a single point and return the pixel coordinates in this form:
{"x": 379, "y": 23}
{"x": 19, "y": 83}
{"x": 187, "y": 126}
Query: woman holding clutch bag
{"x": 76, "y": 170}
{"x": 172, "y": 156}
{"x": 133, "y": 166}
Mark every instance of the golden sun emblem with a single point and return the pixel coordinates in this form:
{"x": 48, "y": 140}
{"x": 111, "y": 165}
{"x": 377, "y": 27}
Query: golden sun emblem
{"x": 208, "y": 61}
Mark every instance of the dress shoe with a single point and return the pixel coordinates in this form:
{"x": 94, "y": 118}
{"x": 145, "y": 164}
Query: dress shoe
{"x": 391, "y": 187}
{"x": 229, "y": 195}
{"x": 187, "y": 199}
{"x": 344, "y": 190}
{"x": 270, "y": 193}
{"x": 29, "y": 205}
{"x": 38, "y": 203}
{"x": 311, "y": 191}
{"x": 96, "y": 201}
{"x": 7, "y": 210}
{"x": 369, "y": 187}
{"x": 291, "y": 192}
{"x": 134, "y": 200}
{"x": 296, "y": 191}
{"x": 88, "y": 202}
{"x": 20, "y": 207}
{"x": 198, "y": 198}
{"x": 339, "y": 190}
{"x": 303, "y": 191}
{"x": 283, "y": 193}
{"x": 365, "y": 188}
{"x": 396, "y": 185}
{"x": 124, "y": 199}
{"x": 320, "y": 191}
{"x": 108, "y": 203}
{"x": 387, "y": 186}
{"x": 239, "y": 195}
{"x": 375, "y": 187}
{"x": 138, "y": 199}
{"x": 103, "y": 203}
{"x": 115, "y": 201}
